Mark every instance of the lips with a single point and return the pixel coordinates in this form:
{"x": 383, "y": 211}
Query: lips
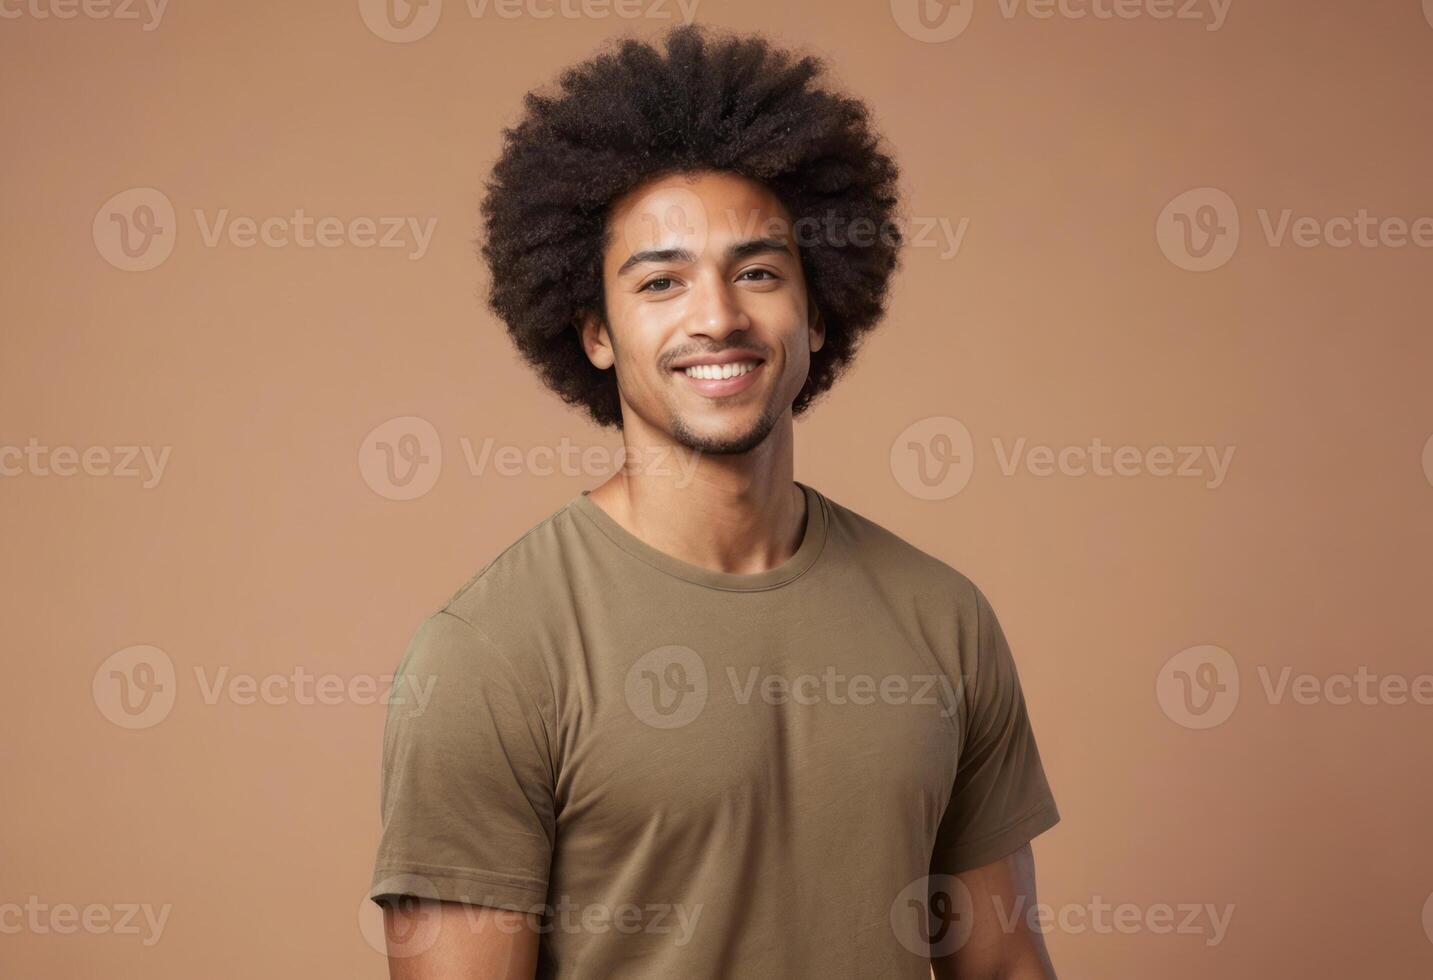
{"x": 717, "y": 379}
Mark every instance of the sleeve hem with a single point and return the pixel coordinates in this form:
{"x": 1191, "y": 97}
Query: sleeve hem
{"x": 468, "y": 886}
{"x": 993, "y": 847}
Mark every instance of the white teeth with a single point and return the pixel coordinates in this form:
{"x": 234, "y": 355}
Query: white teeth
{"x": 715, "y": 372}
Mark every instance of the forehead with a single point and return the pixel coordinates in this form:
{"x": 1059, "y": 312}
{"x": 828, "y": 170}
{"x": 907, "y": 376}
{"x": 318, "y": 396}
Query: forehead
{"x": 694, "y": 211}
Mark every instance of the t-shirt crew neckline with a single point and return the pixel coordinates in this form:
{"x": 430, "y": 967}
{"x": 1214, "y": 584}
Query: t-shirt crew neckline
{"x": 812, "y": 541}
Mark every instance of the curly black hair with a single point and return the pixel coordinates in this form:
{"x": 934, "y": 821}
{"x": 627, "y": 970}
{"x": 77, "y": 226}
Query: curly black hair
{"x": 712, "y": 102}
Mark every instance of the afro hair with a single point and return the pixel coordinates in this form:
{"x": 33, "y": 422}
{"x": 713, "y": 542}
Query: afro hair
{"x": 723, "y": 103}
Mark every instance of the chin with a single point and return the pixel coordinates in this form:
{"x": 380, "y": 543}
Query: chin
{"x": 723, "y": 438}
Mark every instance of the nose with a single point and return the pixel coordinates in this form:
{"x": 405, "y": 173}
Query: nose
{"x": 716, "y": 310}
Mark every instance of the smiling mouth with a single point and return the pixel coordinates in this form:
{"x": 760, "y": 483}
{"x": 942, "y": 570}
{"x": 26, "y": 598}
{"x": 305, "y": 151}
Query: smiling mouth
{"x": 717, "y": 372}
{"x": 719, "y": 380}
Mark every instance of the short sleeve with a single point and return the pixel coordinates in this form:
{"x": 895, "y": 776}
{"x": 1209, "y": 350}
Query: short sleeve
{"x": 467, "y": 782}
{"x": 1001, "y": 799}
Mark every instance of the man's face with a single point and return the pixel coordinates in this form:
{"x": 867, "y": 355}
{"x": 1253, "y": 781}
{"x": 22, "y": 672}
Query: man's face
{"x": 708, "y": 323}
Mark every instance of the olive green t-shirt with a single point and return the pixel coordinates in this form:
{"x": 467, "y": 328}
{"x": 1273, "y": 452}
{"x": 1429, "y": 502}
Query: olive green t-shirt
{"x": 700, "y": 774}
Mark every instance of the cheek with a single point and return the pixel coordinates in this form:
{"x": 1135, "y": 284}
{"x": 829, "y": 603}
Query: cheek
{"x": 638, "y": 342}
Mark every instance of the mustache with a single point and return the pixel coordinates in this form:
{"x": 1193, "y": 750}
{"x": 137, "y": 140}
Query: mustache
{"x": 669, "y": 358}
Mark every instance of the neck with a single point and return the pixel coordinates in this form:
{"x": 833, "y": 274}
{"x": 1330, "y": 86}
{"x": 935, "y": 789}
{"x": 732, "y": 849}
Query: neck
{"x": 740, "y": 514}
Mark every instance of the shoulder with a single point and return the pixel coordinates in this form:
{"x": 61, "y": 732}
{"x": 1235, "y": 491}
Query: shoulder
{"x": 494, "y": 618}
{"x": 894, "y": 559}
{"x": 525, "y": 576}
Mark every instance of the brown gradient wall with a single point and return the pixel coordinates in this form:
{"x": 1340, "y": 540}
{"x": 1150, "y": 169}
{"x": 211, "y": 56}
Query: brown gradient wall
{"x": 1210, "y": 230}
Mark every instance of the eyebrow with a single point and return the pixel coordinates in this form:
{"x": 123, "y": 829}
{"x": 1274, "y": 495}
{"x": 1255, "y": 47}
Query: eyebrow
{"x": 737, "y": 250}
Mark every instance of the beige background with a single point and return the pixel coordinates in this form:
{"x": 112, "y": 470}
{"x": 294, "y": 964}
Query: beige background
{"x": 264, "y": 549}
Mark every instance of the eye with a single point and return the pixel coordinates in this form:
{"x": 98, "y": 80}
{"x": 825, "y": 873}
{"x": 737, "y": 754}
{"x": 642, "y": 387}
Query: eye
{"x": 765, "y": 273}
{"x": 647, "y": 287}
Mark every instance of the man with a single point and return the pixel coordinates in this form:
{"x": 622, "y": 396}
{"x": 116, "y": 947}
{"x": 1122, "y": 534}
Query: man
{"x": 703, "y": 721}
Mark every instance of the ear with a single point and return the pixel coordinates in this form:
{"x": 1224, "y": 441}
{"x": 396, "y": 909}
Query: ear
{"x": 596, "y": 341}
{"x": 815, "y": 327}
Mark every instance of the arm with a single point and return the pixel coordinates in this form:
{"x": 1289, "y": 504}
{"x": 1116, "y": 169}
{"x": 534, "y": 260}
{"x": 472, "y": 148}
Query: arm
{"x": 1001, "y": 944}
{"x": 430, "y": 940}
{"x": 468, "y": 815}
